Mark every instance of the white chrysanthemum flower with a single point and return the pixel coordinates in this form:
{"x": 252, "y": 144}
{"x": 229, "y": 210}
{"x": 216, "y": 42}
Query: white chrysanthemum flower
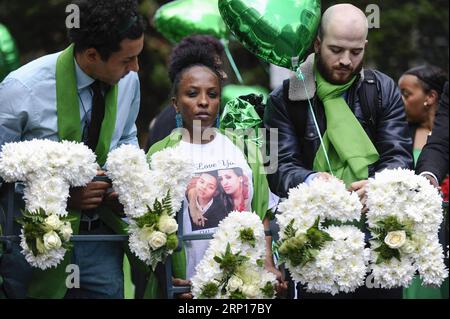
{"x": 340, "y": 266}
{"x": 81, "y": 163}
{"x": 139, "y": 186}
{"x": 48, "y": 169}
{"x": 49, "y": 193}
{"x": 138, "y": 246}
{"x": 394, "y": 273}
{"x": 414, "y": 202}
{"x": 229, "y": 231}
{"x": 324, "y": 199}
{"x": 51, "y": 258}
{"x": 250, "y": 278}
{"x": 335, "y": 201}
{"x": 431, "y": 264}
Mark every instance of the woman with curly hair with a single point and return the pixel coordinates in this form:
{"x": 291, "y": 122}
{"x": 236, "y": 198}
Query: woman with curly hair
{"x": 196, "y": 94}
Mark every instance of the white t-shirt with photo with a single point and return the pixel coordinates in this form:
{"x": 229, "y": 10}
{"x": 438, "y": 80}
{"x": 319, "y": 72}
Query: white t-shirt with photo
{"x": 220, "y": 161}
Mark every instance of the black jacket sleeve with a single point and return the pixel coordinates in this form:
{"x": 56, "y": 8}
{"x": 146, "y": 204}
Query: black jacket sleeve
{"x": 393, "y": 140}
{"x": 434, "y": 156}
{"x": 291, "y": 169}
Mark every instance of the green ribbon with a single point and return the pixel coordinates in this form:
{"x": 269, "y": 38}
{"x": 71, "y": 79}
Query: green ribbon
{"x": 50, "y": 283}
{"x": 349, "y": 149}
{"x": 69, "y": 110}
{"x": 241, "y": 116}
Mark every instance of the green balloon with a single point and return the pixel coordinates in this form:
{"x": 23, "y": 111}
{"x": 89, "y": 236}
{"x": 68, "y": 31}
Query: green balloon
{"x": 180, "y": 18}
{"x": 9, "y": 55}
{"x": 278, "y": 31}
{"x": 232, "y": 91}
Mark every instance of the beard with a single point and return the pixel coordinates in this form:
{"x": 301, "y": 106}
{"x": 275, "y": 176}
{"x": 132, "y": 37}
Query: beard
{"x": 330, "y": 77}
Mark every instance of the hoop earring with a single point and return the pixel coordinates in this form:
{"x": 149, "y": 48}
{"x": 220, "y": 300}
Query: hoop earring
{"x": 179, "y": 120}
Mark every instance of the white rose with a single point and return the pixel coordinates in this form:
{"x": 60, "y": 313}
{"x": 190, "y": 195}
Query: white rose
{"x": 250, "y": 291}
{"x": 234, "y": 283}
{"x": 52, "y": 240}
{"x": 146, "y": 233}
{"x": 395, "y": 239}
{"x": 167, "y": 224}
{"x": 66, "y": 231}
{"x": 157, "y": 240}
{"x": 409, "y": 247}
{"x": 53, "y": 222}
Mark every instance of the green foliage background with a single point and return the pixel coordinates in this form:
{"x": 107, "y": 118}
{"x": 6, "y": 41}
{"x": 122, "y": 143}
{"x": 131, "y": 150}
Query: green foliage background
{"x": 410, "y": 33}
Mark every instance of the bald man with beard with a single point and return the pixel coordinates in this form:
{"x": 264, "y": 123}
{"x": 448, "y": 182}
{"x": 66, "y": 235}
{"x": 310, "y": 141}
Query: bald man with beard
{"x": 360, "y": 115}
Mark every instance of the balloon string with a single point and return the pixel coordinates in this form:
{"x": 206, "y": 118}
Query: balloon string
{"x": 300, "y": 75}
{"x": 233, "y": 64}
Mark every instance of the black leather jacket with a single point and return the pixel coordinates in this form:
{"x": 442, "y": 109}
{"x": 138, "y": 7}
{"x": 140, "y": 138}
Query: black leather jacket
{"x": 296, "y": 153}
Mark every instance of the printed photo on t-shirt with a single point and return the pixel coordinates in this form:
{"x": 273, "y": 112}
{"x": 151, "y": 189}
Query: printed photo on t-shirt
{"x": 212, "y": 195}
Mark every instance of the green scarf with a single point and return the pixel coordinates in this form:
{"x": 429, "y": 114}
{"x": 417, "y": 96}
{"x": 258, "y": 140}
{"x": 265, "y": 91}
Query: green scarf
{"x": 51, "y": 283}
{"x": 349, "y": 149}
{"x": 260, "y": 200}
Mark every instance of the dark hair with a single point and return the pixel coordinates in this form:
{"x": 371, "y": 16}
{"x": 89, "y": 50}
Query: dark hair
{"x": 430, "y": 77}
{"x": 212, "y": 173}
{"x": 210, "y": 43}
{"x": 228, "y": 200}
{"x": 187, "y": 58}
{"x": 104, "y": 24}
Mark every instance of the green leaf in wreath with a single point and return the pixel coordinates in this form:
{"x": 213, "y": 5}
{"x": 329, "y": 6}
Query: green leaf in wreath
{"x": 247, "y": 236}
{"x": 268, "y": 290}
{"x": 167, "y": 204}
{"x": 290, "y": 231}
{"x": 229, "y": 262}
{"x": 172, "y": 242}
{"x": 209, "y": 290}
{"x": 237, "y": 294}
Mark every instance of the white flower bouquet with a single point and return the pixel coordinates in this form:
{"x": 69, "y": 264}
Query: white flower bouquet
{"x": 339, "y": 266}
{"x": 329, "y": 260}
{"x": 47, "y": 169}
{"x": 151, "y": 197}
{"x": 405, "y": 214}
{"x": 44, "y": 238}
{"x": 233, "y": 265}
{"x": 325, "y": 199}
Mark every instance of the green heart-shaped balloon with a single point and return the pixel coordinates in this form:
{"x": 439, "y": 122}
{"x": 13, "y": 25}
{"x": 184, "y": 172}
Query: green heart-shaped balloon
{"x": 180, "y": 18}
{"x": 278, "y": 31}
{"x": 9, "y": 55}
